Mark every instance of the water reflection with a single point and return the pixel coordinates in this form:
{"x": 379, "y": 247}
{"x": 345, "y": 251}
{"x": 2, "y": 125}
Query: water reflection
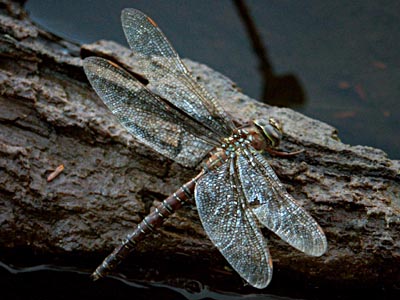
{"x": 50, "y": 282}
{"x": 278, "y": 90}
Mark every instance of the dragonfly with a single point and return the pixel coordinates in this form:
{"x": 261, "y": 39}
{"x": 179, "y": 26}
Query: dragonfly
{"x": 237, "y": 191}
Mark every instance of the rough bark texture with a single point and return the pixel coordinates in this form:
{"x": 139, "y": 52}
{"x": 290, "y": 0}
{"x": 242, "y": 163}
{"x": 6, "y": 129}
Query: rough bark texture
{"x": 50, "y": 116}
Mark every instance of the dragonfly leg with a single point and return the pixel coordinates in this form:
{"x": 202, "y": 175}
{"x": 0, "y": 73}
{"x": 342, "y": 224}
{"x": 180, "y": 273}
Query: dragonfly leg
{"x": 283, "y": 154}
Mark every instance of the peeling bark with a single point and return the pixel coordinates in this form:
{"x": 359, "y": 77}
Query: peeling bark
{"x": 50, "y": 116}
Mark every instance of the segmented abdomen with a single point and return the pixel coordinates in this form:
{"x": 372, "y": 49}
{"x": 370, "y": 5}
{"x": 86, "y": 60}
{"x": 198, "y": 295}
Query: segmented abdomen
{"x": 150, "y": 223}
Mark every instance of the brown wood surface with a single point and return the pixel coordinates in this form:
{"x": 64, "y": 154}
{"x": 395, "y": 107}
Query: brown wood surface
{"x": 50, "y": 116}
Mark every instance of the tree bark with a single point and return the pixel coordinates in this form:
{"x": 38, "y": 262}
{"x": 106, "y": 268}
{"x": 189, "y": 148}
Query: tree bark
{"x": 50, "y": 116}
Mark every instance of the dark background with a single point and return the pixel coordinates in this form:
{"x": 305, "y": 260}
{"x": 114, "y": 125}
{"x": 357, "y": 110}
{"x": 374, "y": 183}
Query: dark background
{"x": 343, "y": 54}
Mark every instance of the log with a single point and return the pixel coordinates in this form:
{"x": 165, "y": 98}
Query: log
{"x": 50, "y": 116}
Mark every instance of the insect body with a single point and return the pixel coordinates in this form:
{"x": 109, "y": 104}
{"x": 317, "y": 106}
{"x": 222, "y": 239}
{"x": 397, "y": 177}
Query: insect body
{"x": 236, "y": 191}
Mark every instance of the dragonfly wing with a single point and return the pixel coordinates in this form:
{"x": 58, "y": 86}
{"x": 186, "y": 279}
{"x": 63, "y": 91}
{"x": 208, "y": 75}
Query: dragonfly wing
{"x": 231, "y": 226}
{"x": 154, "y": 122}
{"x": 146, "y": 38}
{"x": 276, "y": 209}
{"x": 167, "y": 74}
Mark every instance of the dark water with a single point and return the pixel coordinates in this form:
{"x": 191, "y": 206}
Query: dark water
{"x": 342, "y": 55}
{"x": 45, "y": 282}
{"x": 339, "y": 57}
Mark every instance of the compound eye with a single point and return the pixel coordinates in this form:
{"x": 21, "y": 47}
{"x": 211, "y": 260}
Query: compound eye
{"x": 271, "y": 131}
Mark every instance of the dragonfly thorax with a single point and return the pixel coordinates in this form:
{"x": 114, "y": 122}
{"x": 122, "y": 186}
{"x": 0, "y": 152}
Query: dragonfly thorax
{"x": 230, "y": 147}
{"x": 236, "y": 142}
{"x": 259, "y": 135}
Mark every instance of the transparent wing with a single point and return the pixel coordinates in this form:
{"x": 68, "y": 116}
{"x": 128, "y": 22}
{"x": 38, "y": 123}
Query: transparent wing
{"x": 151, "y": 120}
{"x": 231, "y": 226}
{"x": 146, "y": 38}
{"x": 275, "y": 208}
{"x": 168, "y": 76}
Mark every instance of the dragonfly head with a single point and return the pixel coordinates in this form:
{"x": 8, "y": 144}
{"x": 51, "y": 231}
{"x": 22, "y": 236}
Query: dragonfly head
{"x": 271, "y": 131}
